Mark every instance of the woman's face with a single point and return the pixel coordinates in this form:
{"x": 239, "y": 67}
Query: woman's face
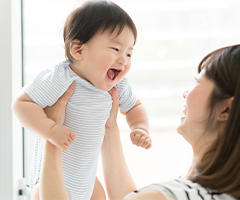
{"x": 196, "y": 110}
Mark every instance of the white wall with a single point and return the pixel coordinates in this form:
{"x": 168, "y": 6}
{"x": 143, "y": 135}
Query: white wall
{"x": 10, "y": 83}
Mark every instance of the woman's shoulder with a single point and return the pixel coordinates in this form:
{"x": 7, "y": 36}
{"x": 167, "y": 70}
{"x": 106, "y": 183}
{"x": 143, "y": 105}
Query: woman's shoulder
{"x": 186, "y": 189}
{"x": 183, "y": 190}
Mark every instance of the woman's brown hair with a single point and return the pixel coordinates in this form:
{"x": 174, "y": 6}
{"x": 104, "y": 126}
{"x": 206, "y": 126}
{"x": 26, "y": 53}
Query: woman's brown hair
{"x": 219, "y": 168}
{"x": 90, "y": 18}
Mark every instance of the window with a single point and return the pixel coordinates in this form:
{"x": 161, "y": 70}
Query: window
{"x": 173, "y": 36}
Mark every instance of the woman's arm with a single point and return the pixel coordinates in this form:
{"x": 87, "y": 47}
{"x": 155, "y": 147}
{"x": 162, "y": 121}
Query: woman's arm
{"x": 51, "y": 178}
{"x": 117, "y": 176}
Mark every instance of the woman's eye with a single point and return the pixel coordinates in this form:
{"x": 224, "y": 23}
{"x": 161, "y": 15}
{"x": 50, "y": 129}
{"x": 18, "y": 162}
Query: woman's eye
{"x": 196, "y": 80}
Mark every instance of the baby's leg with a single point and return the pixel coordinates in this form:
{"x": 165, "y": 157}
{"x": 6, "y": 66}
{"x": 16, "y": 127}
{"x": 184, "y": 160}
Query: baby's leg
{"x": 98, "y": 191}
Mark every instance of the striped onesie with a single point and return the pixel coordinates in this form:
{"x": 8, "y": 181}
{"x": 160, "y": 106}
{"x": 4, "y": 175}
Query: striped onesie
{"x": 183, "y": 190}
{"x": 86, "y": 114}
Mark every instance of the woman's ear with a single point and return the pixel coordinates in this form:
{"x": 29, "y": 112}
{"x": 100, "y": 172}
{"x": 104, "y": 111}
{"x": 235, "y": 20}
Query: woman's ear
{"x": 76, "y": 50}
{"x": 224, "y": 109}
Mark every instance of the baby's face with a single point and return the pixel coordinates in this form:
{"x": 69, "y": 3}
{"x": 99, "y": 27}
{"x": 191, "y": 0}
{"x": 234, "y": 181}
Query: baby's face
{"x": 107, "y": 58}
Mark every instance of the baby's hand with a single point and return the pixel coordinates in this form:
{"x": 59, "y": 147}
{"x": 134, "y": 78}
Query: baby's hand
{"x": 62, "y": 136}
{"x": 141, "y": 138}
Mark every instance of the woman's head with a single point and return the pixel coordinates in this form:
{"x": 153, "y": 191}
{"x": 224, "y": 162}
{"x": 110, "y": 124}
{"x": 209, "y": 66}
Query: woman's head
{"x": 209, "y": 101}
{"x": 220, "y": 165}
{"x": 92, "y": 17}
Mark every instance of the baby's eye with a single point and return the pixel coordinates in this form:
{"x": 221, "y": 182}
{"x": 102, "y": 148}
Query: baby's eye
{"x": 115, "y": 49}
{"x": 129, "y": 55}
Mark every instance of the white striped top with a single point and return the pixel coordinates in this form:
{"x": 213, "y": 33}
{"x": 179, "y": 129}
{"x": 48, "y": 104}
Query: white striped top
{"x": 86, "y": 114}
{"x": 184, "y": 190}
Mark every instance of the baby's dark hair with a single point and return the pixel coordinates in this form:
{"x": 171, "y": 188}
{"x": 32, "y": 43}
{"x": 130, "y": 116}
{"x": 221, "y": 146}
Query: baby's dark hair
{"x": 90, "y": 18}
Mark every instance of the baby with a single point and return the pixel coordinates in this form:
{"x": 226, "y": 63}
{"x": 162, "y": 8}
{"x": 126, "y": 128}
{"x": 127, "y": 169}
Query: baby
{"x": 99, "y": 37}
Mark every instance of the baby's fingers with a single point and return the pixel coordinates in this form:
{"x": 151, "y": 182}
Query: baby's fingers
{"x": 149, "y": 145}
{"x": 73, "y": 135}
{"x": 67, "y": 144}
{"x": 146, "y": 143}
{"x": 64, "y": 147}
{"x": 141, "y": 141}
{"x": 135, "y": 139}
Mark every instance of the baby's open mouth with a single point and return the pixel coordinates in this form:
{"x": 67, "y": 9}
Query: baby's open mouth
{"x": 113, "y": 73}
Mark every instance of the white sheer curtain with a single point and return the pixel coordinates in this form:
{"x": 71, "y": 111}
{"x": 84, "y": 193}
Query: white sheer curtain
{"x": 173, "y": 36}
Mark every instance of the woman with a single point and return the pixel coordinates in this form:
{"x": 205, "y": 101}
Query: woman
{"x": 210, "y": 124}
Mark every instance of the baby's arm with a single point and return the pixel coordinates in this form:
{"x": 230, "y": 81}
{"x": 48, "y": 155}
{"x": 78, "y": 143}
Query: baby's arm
{"x": 138, "y": 122}
{"x": 33, "y": 118}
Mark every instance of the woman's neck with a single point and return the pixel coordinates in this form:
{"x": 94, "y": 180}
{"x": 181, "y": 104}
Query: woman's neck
{"x": 199, "y": 149}
{"x": 198, "y": 153}
{"x": 191, "y": 170}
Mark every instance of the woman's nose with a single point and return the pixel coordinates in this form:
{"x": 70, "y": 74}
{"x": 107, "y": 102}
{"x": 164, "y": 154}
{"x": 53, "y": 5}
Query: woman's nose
{"x": 185, "y": 94}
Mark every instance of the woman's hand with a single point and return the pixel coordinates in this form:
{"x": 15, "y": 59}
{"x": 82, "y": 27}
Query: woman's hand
{"x": 51, "y": 184}
{"x": 61, "y": 136}
{"x": 58, "y": 110}
{"x": 116, "y": 174}
{"x": 112, "y": 120}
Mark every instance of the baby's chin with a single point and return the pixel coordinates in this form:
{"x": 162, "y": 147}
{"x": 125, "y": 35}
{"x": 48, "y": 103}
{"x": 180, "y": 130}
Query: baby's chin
{"x": 105, "y": 88}
{"x": 109, "y": 88}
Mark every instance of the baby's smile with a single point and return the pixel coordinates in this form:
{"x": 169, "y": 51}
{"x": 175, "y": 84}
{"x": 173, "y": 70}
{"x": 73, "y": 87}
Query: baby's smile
{"x": 113, "y": 73}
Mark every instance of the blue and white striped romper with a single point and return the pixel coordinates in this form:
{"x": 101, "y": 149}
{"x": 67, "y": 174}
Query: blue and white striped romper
{"x": 86, "y": 114}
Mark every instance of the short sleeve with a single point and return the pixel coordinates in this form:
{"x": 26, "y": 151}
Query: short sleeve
{"x": 132, "y": 194}
{"x": 185, "y": 190}
{"x": 126, "y": 96}
{"x": 49, "y": 85}
{"x": 151, "y": 187}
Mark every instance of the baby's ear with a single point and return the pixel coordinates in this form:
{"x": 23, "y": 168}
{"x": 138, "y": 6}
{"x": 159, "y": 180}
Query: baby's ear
{"x": 224, "y": 109}
{"x": 76, "y": 49}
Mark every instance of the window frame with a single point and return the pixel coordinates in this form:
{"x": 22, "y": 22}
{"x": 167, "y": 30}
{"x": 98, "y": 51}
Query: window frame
{"x": 11, "y": 81}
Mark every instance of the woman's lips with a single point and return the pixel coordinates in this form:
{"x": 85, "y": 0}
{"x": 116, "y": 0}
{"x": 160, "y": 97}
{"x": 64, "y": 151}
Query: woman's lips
{"x": 184, "y": 112}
